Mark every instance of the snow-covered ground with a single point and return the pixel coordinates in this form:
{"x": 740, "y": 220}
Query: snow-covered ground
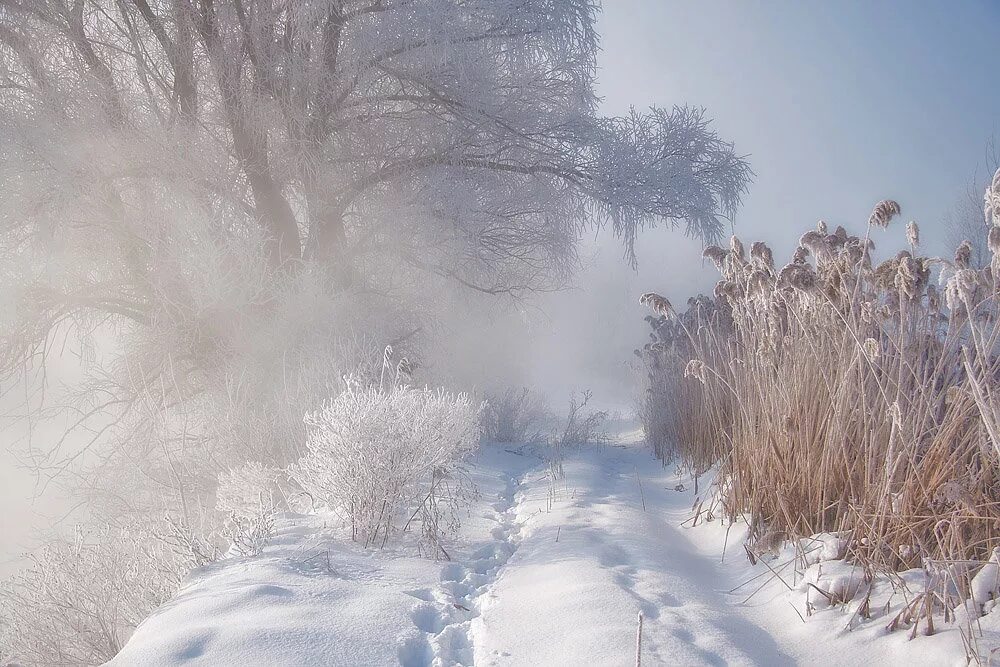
{"x": 544, "y": 572}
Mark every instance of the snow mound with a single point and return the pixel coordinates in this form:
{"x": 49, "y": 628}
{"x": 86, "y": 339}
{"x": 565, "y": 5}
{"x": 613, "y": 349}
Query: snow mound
{"x": 307, "y": 600}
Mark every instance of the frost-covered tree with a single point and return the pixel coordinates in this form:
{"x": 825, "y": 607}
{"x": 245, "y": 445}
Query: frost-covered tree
{"x": 458, "y": 138}
{"x": 232, "y": 190}
{"x": 967, "y": 221}
{"x": 252, "y": 197}
{"x": 229, "y": 204}
{"x": 224, "y": 185}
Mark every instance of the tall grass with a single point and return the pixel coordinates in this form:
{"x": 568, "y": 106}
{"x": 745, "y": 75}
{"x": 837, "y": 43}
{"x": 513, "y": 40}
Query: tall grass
{"x": 838, "y": 395}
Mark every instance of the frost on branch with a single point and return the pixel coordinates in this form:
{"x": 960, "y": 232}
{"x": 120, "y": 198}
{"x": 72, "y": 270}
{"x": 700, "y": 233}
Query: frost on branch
{"x": 665, "y": 166}
{"x": 515, "y": 416}
{"x": 231, "y": 194}
{"x": 79, "y": 599}
{"x": 463, "y": 136}
{"x": 381, "y": 459}
{"x": 249, "y": 497}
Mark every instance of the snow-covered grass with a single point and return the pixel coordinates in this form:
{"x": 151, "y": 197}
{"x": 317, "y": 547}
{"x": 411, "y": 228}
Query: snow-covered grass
{"x": 824, "y": 609}
{"x": 382, "y": 458}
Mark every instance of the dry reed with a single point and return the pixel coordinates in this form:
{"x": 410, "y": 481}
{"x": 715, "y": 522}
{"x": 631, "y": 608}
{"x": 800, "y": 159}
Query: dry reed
{"x": 835, "y": 395}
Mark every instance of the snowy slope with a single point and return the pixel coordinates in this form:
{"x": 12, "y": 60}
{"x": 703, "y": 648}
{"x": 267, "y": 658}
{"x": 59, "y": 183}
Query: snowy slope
{"x": 315, "y": 598}
{"x": 545, "y": 572}
{"x": 287, "y": 607}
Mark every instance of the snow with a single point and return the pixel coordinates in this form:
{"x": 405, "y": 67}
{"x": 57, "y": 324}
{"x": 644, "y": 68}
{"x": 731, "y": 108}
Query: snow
{"x": 574, "y": 601}
{"x": 986, "y": 584}
{"x": 544, "y": 571}
{"x": 289, "y": 606}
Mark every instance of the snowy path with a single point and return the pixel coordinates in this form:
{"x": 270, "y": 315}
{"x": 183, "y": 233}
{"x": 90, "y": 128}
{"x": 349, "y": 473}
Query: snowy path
{"x": 446, "y": 613}
{"x": 545, "y": 571}
{"x": 591, "y": 557}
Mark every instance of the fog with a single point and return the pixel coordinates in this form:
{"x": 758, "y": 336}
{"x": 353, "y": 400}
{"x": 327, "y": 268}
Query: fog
{"x": 835, "y": 115}
{"x": 826, "y": 112}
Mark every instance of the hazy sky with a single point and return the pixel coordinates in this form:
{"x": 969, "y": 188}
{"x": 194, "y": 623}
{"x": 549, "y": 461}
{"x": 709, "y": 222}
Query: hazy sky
{"x": 837, "y": 104}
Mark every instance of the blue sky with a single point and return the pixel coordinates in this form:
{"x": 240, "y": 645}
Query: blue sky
{"x": 837, "y": 104}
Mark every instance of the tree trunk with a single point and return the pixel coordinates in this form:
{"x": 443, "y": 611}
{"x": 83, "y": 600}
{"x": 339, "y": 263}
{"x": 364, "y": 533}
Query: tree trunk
{"x": 273, "y": 210}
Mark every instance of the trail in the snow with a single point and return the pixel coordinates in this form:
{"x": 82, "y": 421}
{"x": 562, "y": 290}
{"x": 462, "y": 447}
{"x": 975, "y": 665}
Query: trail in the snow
{"x": 591, "y": 558}
{"x": 546, "y": 572}
{"x": 444, "y": 614}
{"x": 689, "y": 617}
{"x": 612, "y": 538}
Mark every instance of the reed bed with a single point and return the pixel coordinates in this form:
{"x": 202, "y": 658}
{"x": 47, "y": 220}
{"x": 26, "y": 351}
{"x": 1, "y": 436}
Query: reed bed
{"x": 838, "y": 395}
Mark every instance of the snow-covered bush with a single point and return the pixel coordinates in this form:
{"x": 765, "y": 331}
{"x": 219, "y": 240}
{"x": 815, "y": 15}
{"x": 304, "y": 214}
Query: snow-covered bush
{"x": 248, "y": 497}
{"x": 248, "y": 535}
{"x": 79, "y": 599}
{"x": 382, "y": 458}
{"x": 583, "y": 427}
{"x": 516, "y": 416}
{"x": 251, "y": 489}
{"x": 6, "y": 641}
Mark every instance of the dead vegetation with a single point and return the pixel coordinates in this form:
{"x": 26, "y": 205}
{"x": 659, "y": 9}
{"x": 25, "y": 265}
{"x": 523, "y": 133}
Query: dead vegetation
{"x": 840, "y": 396}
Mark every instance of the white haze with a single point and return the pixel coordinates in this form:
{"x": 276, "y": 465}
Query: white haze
{"x": 834, "y": 115}
{"x": 725, "y": 56}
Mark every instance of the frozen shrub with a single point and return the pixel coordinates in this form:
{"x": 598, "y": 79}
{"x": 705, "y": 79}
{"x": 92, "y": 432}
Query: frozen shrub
{"x": 79, "y": 599}
{"x": 248, "y": 535}
{"x": 250, "y": 489}
{"x": 515, "y": 416}
{"x": 581, "y": 428}
{"x": 381, "y": 458}
{"x": 6, "y": 642}
{"x": 248, "y": 497}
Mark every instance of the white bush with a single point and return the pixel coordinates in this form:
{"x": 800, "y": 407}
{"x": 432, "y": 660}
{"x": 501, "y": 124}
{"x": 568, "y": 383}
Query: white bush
{"x": 79, "y": 599}
{"x": 249, "y": 497}
{"x": 516, "y": 416}
{"x": 380, "y": 458}
{"x": 250, "y": 489}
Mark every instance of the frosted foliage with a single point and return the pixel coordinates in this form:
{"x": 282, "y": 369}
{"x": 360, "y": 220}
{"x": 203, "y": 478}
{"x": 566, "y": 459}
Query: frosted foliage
{"x": 991, "y": 201}
{"x": 249, "y": 497}
{"x": 78, "y": 600}
{"x": 380, "y": 458}
{"x": 332, "y": 124}
{"x": 231, "y": 190}
{"x": 228, "y": 207}
{"x": 232, "y": 193}
{"x": 250, "y": 490}
{"x": 515, "y": 416}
